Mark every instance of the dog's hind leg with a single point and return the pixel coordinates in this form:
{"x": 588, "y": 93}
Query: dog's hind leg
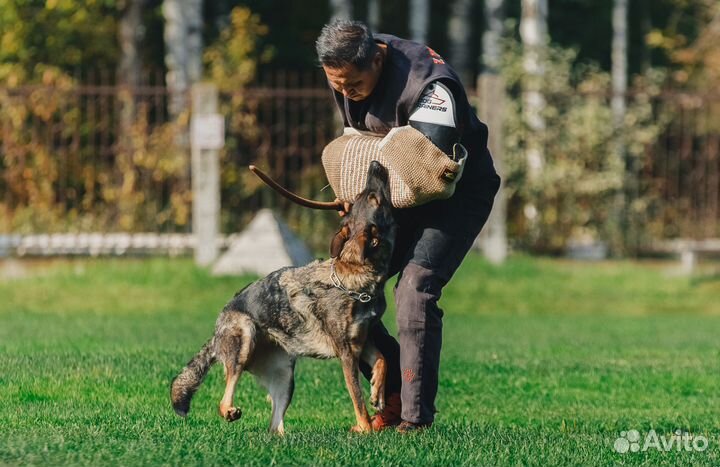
{"x": 227, "y": 410}
{"x": 281, "y": 391}
{"x": 275, "y": 370}
{"x": 235, "y": 340}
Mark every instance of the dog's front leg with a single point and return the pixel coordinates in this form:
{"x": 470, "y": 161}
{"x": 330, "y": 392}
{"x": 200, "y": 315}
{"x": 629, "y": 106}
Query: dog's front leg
{"x": 350, "y": 365}
{"x": 375, "y": 360}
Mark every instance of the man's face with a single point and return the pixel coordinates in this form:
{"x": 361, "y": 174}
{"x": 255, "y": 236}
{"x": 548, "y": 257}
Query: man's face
{"x": 353, "y": 83}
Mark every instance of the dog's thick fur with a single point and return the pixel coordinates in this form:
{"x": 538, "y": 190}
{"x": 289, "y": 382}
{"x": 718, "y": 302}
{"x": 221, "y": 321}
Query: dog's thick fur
{"x": 300, "y": 312}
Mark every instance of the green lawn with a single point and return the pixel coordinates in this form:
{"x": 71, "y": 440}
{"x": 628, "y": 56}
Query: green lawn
{"x": 544, "y": 362}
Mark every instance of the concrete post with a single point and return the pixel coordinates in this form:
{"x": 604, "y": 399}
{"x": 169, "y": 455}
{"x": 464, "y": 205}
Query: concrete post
{"x": 688, "y": 257}
{"x": 207, "y": 134}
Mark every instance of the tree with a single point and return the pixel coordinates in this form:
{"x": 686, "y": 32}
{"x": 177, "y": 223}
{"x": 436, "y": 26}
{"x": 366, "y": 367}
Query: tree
{"x": 619, "y": 65}
{"x": 460, "y": 33}
{"x": 533, "y": 31}
{"x": 341, "y": 10}
{"x": 619, "y": 90}
{"x": 492, "y": 37}
{"x": 492, "y": 99}
{"x": 419, "y": 17}
{"x": 130, "y": 36}
{"x": 373, "y": 15}
{"x": 71, "y": 36}
{"x": 700, "y": 60}
{"x": 183, "y": 50}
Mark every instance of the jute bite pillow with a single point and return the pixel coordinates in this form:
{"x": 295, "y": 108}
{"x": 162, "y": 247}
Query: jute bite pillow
{"x": 419, "y": 171}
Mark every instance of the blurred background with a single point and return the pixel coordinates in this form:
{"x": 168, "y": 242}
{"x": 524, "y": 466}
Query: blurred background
{"x": 126, "y": 128}
{"x": 604, "y": 116}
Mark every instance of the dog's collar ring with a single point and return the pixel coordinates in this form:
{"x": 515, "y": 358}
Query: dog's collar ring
{"x": 361, "y": 297}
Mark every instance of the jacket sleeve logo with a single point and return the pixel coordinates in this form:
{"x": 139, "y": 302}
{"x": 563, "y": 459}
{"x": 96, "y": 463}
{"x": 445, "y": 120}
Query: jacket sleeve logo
{"x": 436, "y": 58}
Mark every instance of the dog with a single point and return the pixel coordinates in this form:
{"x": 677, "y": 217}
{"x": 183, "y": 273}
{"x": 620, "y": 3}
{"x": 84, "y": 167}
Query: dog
{"x": 321, "y": 310}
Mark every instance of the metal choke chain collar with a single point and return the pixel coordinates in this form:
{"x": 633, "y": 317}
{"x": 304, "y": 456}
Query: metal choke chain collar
{"x": 359, "y": 296}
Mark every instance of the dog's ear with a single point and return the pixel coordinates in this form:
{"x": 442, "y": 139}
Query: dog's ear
{"x": 339, "y": 240}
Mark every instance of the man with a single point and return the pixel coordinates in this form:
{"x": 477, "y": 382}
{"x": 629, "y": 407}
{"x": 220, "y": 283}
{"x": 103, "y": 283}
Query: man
{"x": 381, "y": 82}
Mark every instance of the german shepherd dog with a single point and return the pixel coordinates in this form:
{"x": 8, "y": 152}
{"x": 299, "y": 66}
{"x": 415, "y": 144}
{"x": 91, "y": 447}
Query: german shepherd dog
{"x": 320, "y": 310}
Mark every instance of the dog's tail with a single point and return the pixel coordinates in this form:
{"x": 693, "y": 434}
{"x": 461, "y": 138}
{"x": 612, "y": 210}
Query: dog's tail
{"x": 190, "y": 378}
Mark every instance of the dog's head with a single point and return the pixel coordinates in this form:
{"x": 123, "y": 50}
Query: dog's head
{"x": 367, "y": 234}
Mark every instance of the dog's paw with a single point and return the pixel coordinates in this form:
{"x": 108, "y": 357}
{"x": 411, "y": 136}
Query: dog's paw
{"x": 232, "y": 414}
{"x": 377, "y": 401}
{"x": 279, "y": 430}
{"x": 361, "y": 429}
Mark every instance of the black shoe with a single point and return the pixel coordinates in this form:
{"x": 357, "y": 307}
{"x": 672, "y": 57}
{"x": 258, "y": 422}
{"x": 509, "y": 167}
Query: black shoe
{"x": 410, "y": 427}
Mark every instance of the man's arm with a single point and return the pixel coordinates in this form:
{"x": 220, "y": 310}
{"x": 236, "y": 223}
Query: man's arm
{"x": 434, "y": 128}
{"x": 436, "y": 115}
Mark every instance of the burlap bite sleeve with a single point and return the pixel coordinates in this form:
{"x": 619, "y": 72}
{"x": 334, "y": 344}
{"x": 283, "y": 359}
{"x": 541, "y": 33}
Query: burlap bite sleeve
{"x": 419, "y": 171}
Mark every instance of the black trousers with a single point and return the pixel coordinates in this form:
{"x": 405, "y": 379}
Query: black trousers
{"x": 431, "y": 242}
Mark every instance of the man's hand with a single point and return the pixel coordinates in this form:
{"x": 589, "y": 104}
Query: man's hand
{"x": 346, "y": 208}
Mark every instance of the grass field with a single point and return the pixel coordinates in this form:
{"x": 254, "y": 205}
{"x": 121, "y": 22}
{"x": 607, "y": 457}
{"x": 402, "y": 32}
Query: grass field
{"x": 544, "y": 363}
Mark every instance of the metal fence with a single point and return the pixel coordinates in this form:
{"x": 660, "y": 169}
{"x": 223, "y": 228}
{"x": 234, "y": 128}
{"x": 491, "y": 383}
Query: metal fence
{"x": 72, "y": 161}
{"x": 89, "y": 158}
{"x": 682, "y": 168}
{"x": 292, "y": 118}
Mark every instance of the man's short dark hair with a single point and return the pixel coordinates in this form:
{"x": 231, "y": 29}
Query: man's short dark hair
{"x": 344, "y": 43}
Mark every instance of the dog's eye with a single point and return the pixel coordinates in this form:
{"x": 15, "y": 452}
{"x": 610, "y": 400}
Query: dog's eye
{"x": 374, "y": 234}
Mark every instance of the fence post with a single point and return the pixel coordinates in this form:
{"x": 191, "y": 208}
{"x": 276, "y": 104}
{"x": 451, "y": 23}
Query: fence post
{"x": 207, "y": 137}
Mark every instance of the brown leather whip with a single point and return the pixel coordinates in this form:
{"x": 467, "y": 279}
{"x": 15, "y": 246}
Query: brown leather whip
{"x": 308, "y": 203}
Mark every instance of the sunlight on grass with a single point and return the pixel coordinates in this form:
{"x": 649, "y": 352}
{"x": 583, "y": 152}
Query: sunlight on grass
{"x": 544, "y": 362}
